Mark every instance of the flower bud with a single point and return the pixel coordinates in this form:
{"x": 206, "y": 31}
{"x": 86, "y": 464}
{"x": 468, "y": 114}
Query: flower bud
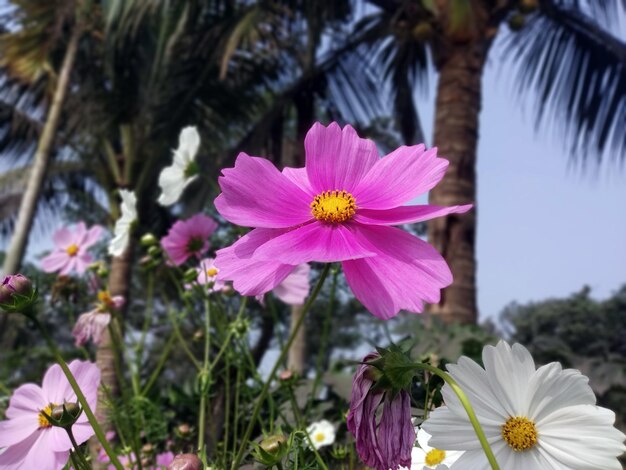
{"x": 273, "y": 444}
{"x": 17, "y": 293}
{"x": 148, "y": 240}
{"x": 184, "y": 429}
{"x": 285, "y": 375}
{"x": 147, "y": 449}
{"x": 190, "y": 275}
{"x": 185, "y": 462}
{"x": 65, "y": 415}
{"x": 154, "y": 251}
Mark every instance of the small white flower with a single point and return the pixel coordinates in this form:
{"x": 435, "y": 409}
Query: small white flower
{"x": 321, "y": 433}
{"x": 174, "y": 179}
{"x": 542, "y": 418}
{"x": 123, "y": 225}
{"x": 427, "y": 457}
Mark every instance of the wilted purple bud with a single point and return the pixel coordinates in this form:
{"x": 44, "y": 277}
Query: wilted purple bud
{"x": 185, "y": 462}
{"x": 385, "y": 445}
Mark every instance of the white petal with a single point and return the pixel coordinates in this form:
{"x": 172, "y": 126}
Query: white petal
{"x": 123, "y": 225}
{"x": 452, "y": 432}
{"x": 509, "y": 371}
{"x": 452, "y": 456}
{"x": 473, "y": 460}
{"x": 582, "y": 437}
{"x": 172, "y": 182}
{"x": 326, "y": 429}
{"x": 422, "y": 439}
{"x": 474, "y": 382}
{"x": 418, "y": 458}
{"x": 552, "y": 388}
{"x": 188, "y": 144}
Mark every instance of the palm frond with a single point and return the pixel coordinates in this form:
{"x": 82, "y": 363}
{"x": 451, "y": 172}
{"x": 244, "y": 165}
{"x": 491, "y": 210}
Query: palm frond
{"x": 577, "y": 70}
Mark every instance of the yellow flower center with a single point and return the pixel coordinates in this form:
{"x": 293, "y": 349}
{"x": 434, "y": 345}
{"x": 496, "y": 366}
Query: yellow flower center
{"x": 211, "y": 272}
{"x": 333, "y": 206}
{"x": 43, "y": 421}
{"x": 319, "y": 437}
{"x": 519, "y": 433}
{"x": 72, "y": 249}
{"x": 435, "y": 457}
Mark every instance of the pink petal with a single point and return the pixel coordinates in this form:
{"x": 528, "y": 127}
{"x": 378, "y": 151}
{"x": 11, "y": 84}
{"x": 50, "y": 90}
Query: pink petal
{"x": 14, "y": 431}
{"x": 336, "y": 158}
{"x": 299, "y": 177}
{"x": 249, "y": 276}
{"x": 80, "y": 232}
{"x": 63, "y": 238}
{"x": 406, "y": 214}
{"x": 82, "y": 262}
{"x": 69, "y": 267}
{"x": 55, "y": 261}
{"x": 399, "y": 177}
{"x": 314, "y": 242}
{"x": 56, "y": 439}
{"x": 295, "y": 288}
{"x": 256, "y": 194}
{"x": 26, "y": 400}
{"x": 57, "y": 389}
{"x": 92, "y": 236}
{"x": 406, "y": 272}
{"x": 13, "y": 457}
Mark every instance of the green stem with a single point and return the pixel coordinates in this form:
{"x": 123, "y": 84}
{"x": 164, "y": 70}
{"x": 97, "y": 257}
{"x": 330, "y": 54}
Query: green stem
{"x": 160, "y": 364}
{"x": 78, "y": 454}
{"x": 204, "y": 376}
{"x": 468, "y": 409}
{"x": 81, "y": 397}
{"x": 277, "y": 364}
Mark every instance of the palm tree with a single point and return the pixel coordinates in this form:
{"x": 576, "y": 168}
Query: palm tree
{"x": 564, "y": 56}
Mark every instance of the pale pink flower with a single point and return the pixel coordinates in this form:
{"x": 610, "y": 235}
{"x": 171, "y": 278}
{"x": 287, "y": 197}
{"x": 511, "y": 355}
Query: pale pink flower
{"x": 29, "y": 440}
{"x": 70, "y": 251}
{"x": 93, "y": 323}
{"x": 187, "y": 238}
{"x": 207, "y": 275}
{"x": 340, "y": 207}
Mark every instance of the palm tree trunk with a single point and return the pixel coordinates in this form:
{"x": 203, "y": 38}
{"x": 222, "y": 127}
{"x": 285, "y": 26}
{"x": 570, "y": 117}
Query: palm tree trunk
{"x": 456, "y": 135}
{"x": 28, "y": 204}
{"x": 119, "y": 284}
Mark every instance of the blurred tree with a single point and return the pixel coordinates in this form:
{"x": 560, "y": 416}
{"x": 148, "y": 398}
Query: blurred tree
{"x": 565, "y": 57}
{"x": 579, "y": 332}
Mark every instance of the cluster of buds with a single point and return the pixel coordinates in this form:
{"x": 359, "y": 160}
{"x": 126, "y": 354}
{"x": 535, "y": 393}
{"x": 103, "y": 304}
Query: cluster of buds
{"x": 17, "y": 294}
{"x": 154, "y": 253}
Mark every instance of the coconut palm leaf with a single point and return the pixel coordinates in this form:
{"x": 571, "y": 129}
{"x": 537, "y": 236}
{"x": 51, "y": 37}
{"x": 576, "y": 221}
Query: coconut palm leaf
{"x": 577, "y": 69}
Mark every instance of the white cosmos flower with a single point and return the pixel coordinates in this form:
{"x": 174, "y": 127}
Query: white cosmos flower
{"x": 174, "y": 179}
{"x": 123, "y": 225}
{"x": 322, "y": 433}
{"x": 534, "y": 419}
{"x": 426, "y": 457}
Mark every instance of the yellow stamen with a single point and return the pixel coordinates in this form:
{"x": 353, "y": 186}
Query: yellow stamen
{"x": 333, "y": 206}
{"x": 43, "y": 421}
{"x": 72, "y": 249}
{"x": 105, "y": 298}
{"x": 319, "y": 437}
{"x": 435, "y": 457}
{"x": 519, "y": 433}
{"x": 211, "y": 272}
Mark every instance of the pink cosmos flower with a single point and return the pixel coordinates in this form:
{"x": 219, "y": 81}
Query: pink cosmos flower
{"x": 383, "y": 443}
{"x": 340, "y": 207}
{"x": 93, "y": 323}
{"x": 187, "y": 238}
{"x": 30, "y": 441}
{"x": 207, "y": 276}
{"x": 295, "y": 287}
{"x": 70, "y": 251}
{"x": 162, "y": 461}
